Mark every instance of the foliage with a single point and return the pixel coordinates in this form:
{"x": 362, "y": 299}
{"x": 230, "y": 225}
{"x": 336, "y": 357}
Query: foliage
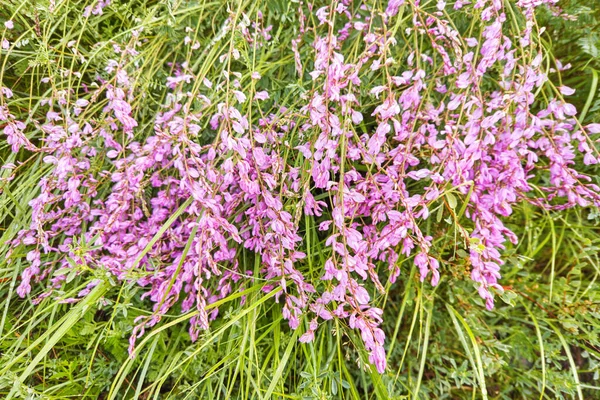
{"x": 147, "y": 279}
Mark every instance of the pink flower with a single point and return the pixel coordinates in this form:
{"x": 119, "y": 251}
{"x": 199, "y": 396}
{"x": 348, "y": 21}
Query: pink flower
{"x": 567, "y": 91}
{"x": 241, "y": 97}
{"x": 262, "y": 95}
{"x": 393, "y": 7}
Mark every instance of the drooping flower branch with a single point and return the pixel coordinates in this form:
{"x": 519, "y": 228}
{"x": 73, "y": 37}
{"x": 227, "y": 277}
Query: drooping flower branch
{"x": 401, "y": 113}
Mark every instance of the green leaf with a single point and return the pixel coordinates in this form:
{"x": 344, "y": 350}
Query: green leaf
{"x": 451, "y": 200}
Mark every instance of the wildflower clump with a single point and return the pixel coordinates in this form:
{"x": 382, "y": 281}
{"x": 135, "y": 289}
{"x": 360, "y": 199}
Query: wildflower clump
{"x": 387, "y": 120}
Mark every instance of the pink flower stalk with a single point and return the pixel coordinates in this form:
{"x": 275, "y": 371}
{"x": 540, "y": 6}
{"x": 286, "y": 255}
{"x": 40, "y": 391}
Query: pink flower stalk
{"x": 381, "y": 139}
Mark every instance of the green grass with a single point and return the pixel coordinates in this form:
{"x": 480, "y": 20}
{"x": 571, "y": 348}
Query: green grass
{"x": 540, "y": 342}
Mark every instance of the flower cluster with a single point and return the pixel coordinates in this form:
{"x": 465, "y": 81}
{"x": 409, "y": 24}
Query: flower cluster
{"x": 401, "y": 113}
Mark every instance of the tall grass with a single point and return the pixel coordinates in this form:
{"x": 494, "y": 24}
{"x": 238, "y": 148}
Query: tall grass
{"x": 540, "y": 341}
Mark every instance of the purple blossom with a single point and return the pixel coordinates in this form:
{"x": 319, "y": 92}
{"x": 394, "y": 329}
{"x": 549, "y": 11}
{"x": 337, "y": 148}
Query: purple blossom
{"x": 366, "y": 170}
